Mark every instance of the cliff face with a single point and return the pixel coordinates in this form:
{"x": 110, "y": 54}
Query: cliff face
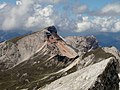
{"x": 20, "y": 49}
{"x": 35, "y": 60}
{"x": 82, "y": 44}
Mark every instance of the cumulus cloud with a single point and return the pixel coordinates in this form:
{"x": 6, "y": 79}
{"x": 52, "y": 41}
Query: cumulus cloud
{"x": 40, "y": 17}
{"x": 33, "y": 15}
{"x": 3, "y": 5}
{"x": 117, "y": 26}
{"x": 36, "y": 14}
{"x": 16, "y": 16}
{"x": 18, "y": 2}
{"x": 29, "y": 14}
{"x": 98, "y": 24}
{"x": 26, "y": 14}
{"x": 112, "y": 9}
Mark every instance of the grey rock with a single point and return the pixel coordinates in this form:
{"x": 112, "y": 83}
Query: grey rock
{"x": 99, "y": 76}
{"x": 82, "y": 44}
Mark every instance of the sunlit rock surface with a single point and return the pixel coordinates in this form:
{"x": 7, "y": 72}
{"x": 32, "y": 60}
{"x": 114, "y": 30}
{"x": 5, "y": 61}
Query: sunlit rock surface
{"x": 100, "y": 76}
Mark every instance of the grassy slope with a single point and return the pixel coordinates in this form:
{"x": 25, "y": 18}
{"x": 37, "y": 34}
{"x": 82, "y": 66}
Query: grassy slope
{"x": 98, "y": 53}
{"x": 30, "y": 74}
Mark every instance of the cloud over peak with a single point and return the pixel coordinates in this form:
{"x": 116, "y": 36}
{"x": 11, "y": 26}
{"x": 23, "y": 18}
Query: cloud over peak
{"x": 36, "y": 14}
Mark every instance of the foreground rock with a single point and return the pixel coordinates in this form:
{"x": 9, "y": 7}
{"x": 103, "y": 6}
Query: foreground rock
{"x": 100, "y": 76}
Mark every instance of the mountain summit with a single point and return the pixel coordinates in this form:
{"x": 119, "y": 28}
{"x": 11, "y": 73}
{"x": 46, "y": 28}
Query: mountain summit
{"x": 22, "y": 48}
{"x": 35, "y": 60}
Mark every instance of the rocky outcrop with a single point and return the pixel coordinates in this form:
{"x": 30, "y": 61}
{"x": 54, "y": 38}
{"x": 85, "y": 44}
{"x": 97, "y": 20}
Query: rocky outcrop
{"x": 17, "y": 50}
{"x": 100, "y": 76}
{"x": 82, "y": 44}
{"x": 113, "y": 50}
{"x": 119, "y": 82}
{"x": 94, "y": 56}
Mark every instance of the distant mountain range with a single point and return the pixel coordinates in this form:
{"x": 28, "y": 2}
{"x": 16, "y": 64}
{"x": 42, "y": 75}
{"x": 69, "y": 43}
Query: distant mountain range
{"x": 108, "y": 39}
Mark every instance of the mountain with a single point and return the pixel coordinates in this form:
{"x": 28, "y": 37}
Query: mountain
{"x": 104, "y": 38}
{"x": 108, "y": 39}
{"x": 44, "y": 60}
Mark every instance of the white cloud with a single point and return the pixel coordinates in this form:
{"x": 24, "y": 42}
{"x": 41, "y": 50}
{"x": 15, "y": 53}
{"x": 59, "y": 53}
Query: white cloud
{"x": 112, "y": 9}
{"x": 18, "y": 2}
{"x": 117, "y": 26}
{"x": 40, "y": 17}
{"x": 27, "y": 14}
{"x": 16, "y": 16}
{"x": 84, "y": 24}
{"x": 115, "y": 7}
{"x": 3, "y": 5}
{"x": 99, "y": 24}
{"x": 79, "y": 9}
{"x": 33, "y": 15}
{"x": 52, "y": 1}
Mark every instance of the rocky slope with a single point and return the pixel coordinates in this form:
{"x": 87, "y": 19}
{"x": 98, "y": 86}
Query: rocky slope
{"x": 19, "y": 49}
{"x": 90, "y": 78}
{"x": 35, "y": 60}
{"x": 82, "y": 44}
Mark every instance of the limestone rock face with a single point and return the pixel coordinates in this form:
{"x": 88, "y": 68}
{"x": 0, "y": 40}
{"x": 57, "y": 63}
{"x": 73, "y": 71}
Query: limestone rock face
{"x": 19, "y": 49}
{"x": 113, "y": 51}
{"x": 82, "y": 44}
{"x": 100, "y": 76}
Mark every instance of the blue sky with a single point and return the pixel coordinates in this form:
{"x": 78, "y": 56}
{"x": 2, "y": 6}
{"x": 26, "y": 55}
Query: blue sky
{"x": 8, "y": 1}
{"x": 69, "y": 15}
{"x": 96, "y": 4}
{"x": 92, "y": 4}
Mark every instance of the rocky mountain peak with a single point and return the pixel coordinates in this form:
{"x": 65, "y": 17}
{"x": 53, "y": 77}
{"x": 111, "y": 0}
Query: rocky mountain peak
{"x": 52, "y": 29}
{"x": 50, "y": 34}
{"x": 20, "y": 49}
{"x": 32, "y": 61}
